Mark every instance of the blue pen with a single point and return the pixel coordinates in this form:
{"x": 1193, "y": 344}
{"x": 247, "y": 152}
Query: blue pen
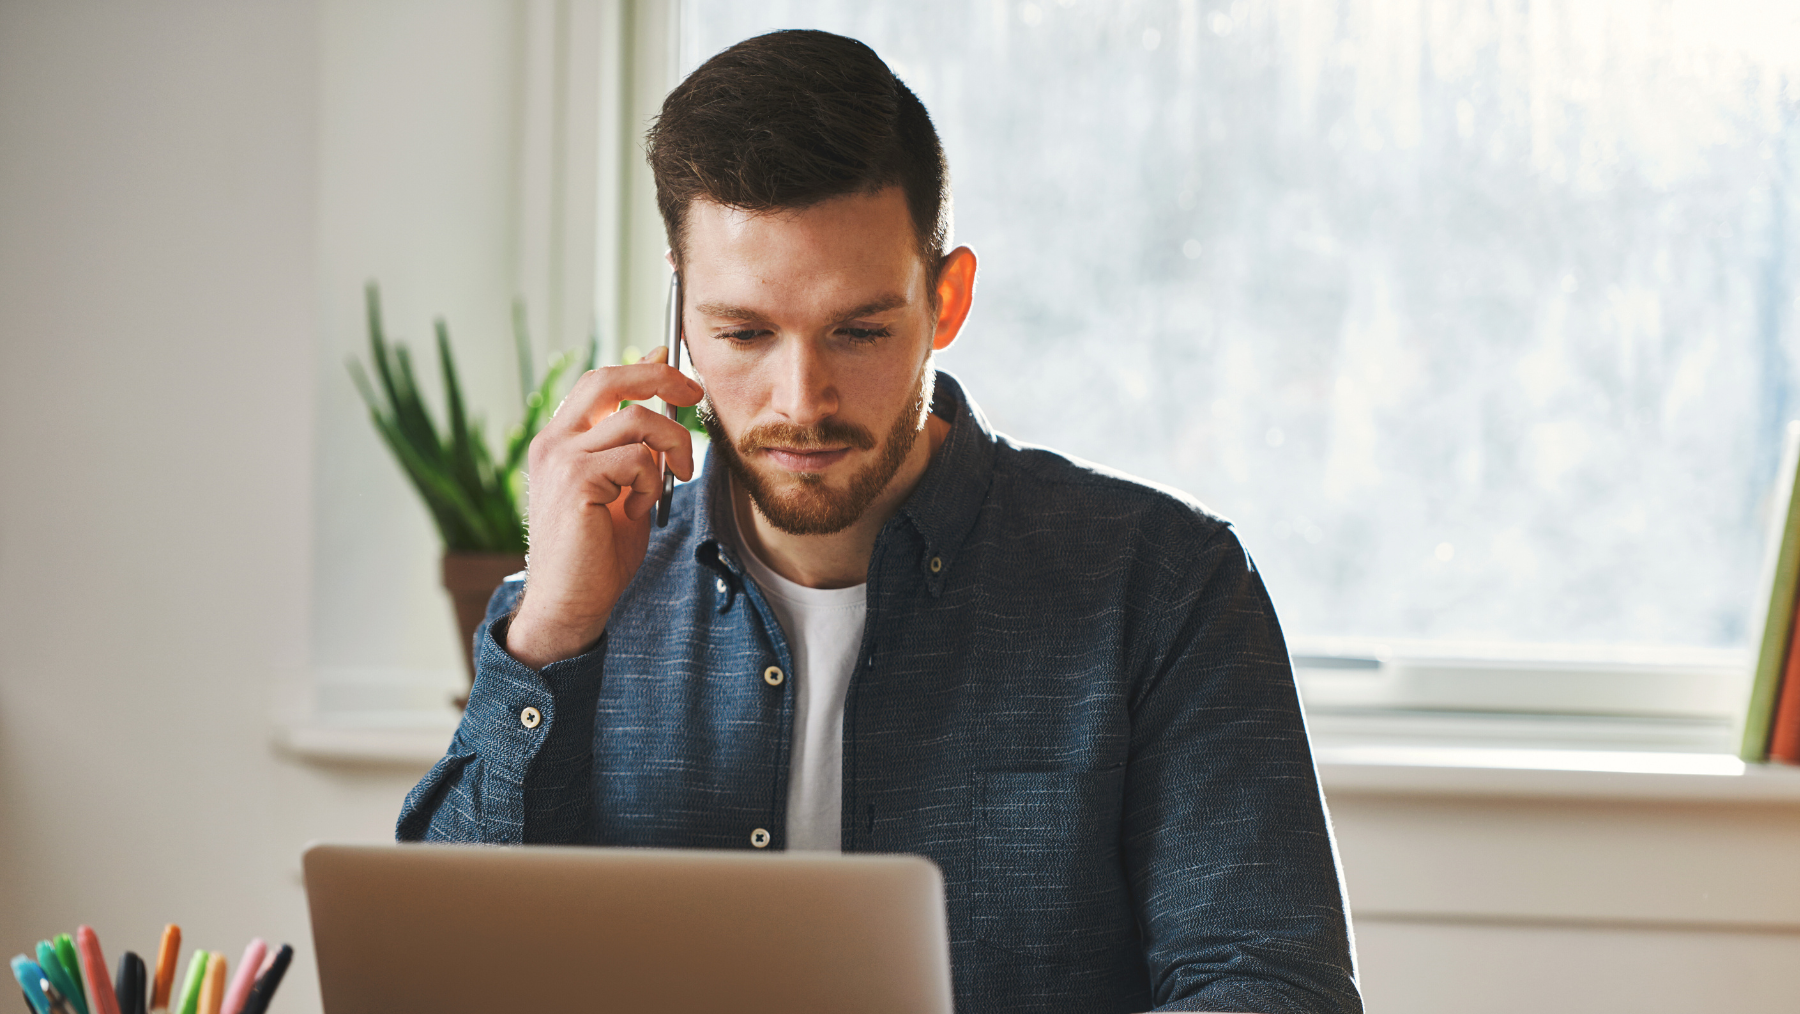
{"x": 29, "y": 975}
{"x": 58, "y": 976}
{"x": 71, "y": 962}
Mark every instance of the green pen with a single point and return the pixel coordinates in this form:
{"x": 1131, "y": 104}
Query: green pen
{"x": 190, "y": 986}
{"x": 58, "y": 976}
{"x": 65, "y": 950}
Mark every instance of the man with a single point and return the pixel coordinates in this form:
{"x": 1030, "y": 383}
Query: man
{"x": 873, "y": 624}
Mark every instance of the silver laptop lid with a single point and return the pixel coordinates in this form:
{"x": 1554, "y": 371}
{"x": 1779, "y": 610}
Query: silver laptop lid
{"x": 449, "y": 929}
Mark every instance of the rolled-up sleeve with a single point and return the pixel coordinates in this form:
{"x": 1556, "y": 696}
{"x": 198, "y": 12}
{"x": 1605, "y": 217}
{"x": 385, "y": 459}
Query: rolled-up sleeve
{"x": 520, "y": 768}
{"x": 1226, "y": 837}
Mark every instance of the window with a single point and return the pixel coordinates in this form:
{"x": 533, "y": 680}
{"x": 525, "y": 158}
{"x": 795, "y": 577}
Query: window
{"x": 1478, "y": 317}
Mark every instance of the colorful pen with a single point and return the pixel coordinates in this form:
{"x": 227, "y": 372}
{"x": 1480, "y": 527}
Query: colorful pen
{"x": 54, "y": 971}
{"x": 267, "y": 983}
{"x": 166, "y": 954}
{"x": 30, "y": 977}
{"x": 241, "y": 983}
{"x": 212, "y": 987}
{"x": 131, "y": 985}
{"x": 101, "y": 998}
{"x": 71, "y": 962}
{"x": 190, "y": 986}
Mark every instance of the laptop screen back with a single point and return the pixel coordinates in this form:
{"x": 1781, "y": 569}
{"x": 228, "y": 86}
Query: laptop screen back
{"x": 477, "y": 928}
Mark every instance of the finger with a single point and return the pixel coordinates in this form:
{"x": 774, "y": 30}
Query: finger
{"x": 636, "y": 424}
{"x": 639, "y": 503}
{"x": 615, "y": 473}
{"x": 659, "y": 354}
{"x": 644, "y": 490}
{"x": 598, "y": 393}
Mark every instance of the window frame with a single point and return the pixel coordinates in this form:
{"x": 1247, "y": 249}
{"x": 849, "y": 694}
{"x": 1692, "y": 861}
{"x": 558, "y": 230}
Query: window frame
{"x": 1378, "y": 679}
{"x": 592, "y": 240}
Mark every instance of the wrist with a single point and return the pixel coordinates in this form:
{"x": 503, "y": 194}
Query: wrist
{"x": 538, "y": 637}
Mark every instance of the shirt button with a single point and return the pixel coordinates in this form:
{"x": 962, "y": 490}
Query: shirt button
{"x": 720, "y": 584}
{"x": 759, "y": 838}
{"x": 937, "y": 564}
{"x": 530, "y": 718}
{"x": 773, "y": 676}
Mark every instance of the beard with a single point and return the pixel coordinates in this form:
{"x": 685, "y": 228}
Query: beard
{"x": 806, "y": 505}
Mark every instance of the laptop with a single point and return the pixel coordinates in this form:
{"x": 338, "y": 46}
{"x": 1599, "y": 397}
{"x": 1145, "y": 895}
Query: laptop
{"x": 459, "y": 928}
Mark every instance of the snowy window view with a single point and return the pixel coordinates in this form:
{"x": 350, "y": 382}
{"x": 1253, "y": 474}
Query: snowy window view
{"x": 1478, "y": 317}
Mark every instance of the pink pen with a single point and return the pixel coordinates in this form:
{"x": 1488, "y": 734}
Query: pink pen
{"x": 93, "y": 967}
{"x": 239, "y": 990}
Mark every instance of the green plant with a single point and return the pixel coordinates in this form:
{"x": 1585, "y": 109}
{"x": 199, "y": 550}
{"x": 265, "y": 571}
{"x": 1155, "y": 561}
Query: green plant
{"x": 476, "y": 498}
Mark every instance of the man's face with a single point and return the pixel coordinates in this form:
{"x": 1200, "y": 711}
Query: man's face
{"x": 812, "y": 331}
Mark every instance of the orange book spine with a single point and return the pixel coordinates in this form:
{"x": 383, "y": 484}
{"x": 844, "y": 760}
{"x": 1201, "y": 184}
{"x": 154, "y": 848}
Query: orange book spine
{"x": 1784, "y": 732}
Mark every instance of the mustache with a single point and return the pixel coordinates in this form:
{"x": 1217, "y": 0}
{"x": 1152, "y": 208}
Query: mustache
{"x": 829, "y": 433}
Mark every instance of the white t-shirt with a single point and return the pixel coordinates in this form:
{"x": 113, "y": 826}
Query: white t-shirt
{"x": 824, "y": 628}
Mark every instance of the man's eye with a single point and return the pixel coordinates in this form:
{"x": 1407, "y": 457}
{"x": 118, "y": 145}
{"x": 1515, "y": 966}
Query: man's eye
{"x": 741, "y": 335}
{"x": 865, "y": 334}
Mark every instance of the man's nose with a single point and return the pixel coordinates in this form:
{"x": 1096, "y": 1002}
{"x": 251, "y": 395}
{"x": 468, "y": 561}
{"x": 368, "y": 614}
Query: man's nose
{"x": 805, "y": 391}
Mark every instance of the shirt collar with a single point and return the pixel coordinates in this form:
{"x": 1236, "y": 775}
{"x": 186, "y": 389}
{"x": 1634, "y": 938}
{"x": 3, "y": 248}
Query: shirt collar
{"x": 942, "y": 508}
{"x": 944, "y": 505}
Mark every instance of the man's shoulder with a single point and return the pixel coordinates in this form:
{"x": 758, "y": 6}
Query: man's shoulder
{"x": 1059, "y": 531}
{"x": 1045, "y": 487}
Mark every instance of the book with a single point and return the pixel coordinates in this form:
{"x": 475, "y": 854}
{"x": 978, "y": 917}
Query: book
{"x": 1781, "y": 573}
{"x": 1784, "y": 731}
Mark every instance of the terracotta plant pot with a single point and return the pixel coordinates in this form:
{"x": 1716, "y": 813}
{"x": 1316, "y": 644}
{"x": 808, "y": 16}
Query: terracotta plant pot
{"x": 471, "y": 578}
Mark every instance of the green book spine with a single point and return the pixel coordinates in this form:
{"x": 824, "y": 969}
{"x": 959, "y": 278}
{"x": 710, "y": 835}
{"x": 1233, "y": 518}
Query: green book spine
{"x": 1781, "y": 572}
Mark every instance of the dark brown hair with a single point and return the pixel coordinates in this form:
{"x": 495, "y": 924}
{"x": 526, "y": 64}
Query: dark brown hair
{"x": 791, "y": 118}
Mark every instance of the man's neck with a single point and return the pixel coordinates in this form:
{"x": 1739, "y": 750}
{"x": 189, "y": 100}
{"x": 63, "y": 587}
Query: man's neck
{"x": 841, "y": 559}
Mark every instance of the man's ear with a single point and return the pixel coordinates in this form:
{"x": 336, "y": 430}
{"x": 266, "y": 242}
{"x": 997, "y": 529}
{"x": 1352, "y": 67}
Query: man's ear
{"x": 955, "y": 294}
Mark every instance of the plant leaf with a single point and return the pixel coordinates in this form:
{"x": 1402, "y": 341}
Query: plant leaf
{"x": 435, "y": 488}
{"x": 436, "y": 482}
{"x": 378, "y": 349}
{"x": 476, "y": 502}
{"x": 458, "y": 452}
{"x": 410, "y": 414}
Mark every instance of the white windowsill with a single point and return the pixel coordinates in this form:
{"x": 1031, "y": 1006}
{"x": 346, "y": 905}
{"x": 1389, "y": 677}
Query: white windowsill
{"x": 1530, "y": 772}
{"x": 1348, "y": 764}
{"x": 364, "y": 743}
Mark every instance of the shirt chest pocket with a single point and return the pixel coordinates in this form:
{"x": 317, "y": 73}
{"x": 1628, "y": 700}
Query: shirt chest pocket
{"x": 1048, "y": 880}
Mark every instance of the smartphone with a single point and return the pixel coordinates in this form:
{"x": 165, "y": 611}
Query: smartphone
{"x": 672, "y": 339}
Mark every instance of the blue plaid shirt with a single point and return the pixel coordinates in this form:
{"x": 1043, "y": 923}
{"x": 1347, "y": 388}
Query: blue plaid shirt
{"x": 1072, "y": 694}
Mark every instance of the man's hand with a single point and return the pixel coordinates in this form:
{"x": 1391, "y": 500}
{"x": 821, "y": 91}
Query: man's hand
{"x": 595, "y": 479}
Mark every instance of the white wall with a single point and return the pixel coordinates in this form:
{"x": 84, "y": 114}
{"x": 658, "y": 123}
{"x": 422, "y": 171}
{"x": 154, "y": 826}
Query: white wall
{"x": 190, "y": 197}
{"x": 1500, "y": 904}
{"x": 159, "y": 175}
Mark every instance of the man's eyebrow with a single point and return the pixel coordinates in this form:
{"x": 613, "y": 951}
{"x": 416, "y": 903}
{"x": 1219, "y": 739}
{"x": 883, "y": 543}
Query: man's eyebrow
{"x": 728, "y": 311}
{"x": 889, "y": 302}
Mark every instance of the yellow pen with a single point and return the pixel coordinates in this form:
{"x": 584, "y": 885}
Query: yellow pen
{"x": 212, "y": 987}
